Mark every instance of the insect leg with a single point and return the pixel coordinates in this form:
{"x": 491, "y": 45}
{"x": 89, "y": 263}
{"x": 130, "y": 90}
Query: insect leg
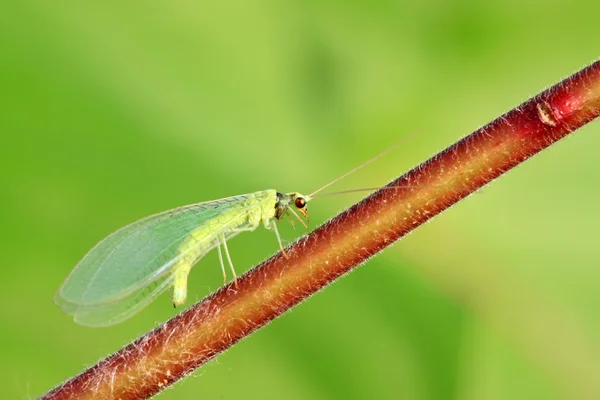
{"x": 222, "y": 264}
{"x": 274, "y": 225}
{"x": 224, "y": 243}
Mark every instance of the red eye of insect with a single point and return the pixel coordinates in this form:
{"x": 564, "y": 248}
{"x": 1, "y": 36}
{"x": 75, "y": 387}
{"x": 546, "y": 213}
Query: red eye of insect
{"x": 300, "y": 202}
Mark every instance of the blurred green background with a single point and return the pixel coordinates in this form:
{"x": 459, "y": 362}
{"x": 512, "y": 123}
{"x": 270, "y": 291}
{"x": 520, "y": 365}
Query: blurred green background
{"x": 113, "y": 111}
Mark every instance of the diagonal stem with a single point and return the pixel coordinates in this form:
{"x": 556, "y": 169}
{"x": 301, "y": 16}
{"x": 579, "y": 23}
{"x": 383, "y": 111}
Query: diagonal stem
{"x": 175, "y": 349}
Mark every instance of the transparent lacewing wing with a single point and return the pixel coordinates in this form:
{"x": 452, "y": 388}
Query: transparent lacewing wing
{"x": 127, "y": 270}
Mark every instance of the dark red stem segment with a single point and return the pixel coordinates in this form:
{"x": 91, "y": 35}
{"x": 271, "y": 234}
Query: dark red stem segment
{"x": 189, "y": 340}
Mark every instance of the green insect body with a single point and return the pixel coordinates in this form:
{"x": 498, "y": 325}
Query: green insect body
{"x": 131, "y": 267}
{"x": 257, "y": 207}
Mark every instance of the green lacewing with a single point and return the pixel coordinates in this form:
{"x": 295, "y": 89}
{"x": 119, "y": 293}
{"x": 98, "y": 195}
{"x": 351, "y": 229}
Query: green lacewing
{"x": 131, "y": 267}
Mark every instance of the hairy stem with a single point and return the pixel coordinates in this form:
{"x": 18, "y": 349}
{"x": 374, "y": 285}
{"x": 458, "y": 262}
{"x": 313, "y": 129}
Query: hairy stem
{"x": 189, "y": 340}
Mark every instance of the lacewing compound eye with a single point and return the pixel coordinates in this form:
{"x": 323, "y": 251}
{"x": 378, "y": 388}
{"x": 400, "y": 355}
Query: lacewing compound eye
{"x": 300, "y": 202}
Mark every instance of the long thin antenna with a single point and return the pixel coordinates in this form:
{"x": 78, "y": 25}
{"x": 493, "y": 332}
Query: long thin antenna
{"x": 375, "y": 188}
{"x": 392, "y": 147}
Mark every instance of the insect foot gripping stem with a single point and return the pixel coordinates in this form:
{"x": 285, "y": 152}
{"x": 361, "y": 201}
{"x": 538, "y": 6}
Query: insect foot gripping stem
{"x": 179, "y": 289}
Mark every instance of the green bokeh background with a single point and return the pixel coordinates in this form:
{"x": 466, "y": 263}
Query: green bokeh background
{"x": 113, "y": 111}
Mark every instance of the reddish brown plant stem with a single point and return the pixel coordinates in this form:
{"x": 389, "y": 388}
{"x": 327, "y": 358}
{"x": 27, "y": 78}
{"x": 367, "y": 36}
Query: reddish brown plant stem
{"x": 189, "y": 340}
